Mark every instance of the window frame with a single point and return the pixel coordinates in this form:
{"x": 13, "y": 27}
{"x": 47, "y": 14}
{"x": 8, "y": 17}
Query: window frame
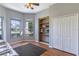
{"x": 10, "y": 28}
{"x": 25, "y": 28}
{"x": 2, "y": 18}
{"x": 28, "y": 28}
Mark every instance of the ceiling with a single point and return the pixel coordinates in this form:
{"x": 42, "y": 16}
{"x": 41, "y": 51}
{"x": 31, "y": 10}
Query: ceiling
{"x": 20, "y": 7}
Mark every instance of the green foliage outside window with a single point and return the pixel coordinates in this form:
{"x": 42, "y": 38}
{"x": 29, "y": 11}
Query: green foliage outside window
{"x": 31, "y": 28}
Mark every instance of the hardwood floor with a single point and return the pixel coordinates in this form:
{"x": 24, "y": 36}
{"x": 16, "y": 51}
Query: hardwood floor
{"x": 49, "y": 52}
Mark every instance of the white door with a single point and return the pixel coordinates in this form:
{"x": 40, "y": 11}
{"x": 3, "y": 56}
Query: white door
{"x": 57, "y": 41}
{"x": 65, "y": 33}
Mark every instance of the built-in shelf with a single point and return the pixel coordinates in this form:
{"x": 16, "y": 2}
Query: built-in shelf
{"x": 44, "y": 29}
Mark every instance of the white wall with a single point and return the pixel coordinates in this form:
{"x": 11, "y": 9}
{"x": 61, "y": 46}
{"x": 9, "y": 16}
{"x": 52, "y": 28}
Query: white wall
{"x": 55, "y": 11}
{"x": 2, "y": 14}
{"x": 59, "y": 10}
{"x": 9, "y": 14}
{"x": 62, "y": 25}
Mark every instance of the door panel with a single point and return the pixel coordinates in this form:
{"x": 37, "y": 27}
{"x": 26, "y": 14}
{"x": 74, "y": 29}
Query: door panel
{"x": 65, "y": 33}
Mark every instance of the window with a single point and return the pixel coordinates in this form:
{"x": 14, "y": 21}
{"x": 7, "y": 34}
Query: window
{"x": 15, "y": 28}
{"x": 29, "y": 28}
{"x": 1, "y": 22}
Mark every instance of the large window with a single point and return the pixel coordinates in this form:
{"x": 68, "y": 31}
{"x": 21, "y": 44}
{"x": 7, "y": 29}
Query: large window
{"x": 1, "y": 22}
{"x": 29, "y": 28}
{"x": 15, "y": 28}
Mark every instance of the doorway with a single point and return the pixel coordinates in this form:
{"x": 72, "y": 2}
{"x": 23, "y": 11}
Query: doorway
{"x": 44, "y": 29}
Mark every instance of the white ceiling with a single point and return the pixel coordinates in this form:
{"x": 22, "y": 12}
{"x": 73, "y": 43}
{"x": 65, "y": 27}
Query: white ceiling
{"x": 20, "y": 7}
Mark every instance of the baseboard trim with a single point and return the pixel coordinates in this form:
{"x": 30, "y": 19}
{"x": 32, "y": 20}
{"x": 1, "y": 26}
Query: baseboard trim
{"x": 65, "y": 51}
{"x": 29, "y": 40}
{"x": 20, "y": 41}
{"x": 16, "y": 42}
{"x": 36, "y": 41}
{"x": 44, "y": 43}
{"x": 50, "y": 46}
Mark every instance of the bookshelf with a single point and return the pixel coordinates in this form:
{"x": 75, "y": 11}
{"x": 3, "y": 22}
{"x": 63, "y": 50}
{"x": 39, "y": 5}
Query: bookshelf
{"x": 44, "y": 29}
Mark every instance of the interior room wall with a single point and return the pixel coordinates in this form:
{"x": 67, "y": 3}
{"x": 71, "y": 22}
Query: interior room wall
{"x": 55, "y": 11}
{"x": 41, "y": 14}
{"x": 60, "y": 10}
{"x": 2, "y": 14}
{"x": 9, "y": 14}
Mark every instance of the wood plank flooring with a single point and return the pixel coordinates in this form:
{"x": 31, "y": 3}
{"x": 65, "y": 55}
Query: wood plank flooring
{"x": 49, "y": 52}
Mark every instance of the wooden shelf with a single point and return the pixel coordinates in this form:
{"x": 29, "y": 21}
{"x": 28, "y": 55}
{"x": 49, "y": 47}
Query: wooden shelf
{"x": 43, "y": 23}
{"x": 43, "y": 28}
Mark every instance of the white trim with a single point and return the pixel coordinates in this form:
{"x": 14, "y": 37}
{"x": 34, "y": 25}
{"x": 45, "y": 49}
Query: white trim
{"x": 44, "y": 43}
{"x": 15, "y": 42}
{"x": 36, "y": 41}
{"x": 50, "y": 46}
{"x": 28, "y": 40}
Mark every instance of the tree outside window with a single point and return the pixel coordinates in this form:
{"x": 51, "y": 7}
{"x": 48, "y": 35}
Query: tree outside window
{"x": 29, "y": 28}
{"x": 15, "y": 28}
